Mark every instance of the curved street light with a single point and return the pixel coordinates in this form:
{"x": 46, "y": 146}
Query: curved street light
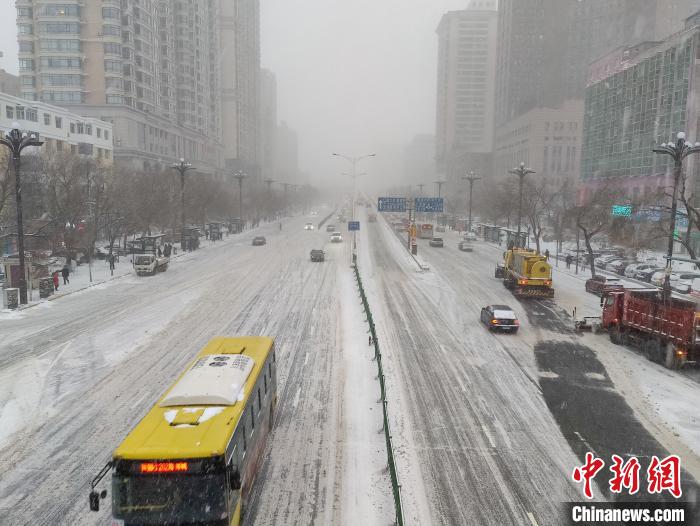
{"x": 471, "y": 178}
{"x": 16, "y": 141}
{"x": 521, "y": 172}
{"x": 678, "y": 152}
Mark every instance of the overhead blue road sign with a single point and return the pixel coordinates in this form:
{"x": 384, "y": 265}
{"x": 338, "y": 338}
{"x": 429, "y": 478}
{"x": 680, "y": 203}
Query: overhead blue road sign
{"x": 391, "y": 204}
{"x": 622, "y": 210}
{"x": 429, "y": 204}
{"x": 353, "y": 226}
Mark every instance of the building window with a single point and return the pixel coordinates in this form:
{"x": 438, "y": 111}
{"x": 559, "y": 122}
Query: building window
{"x": 110, "y": 30}
{"x": 50, "y": 44}
{"x": 67, "y": 97}
{"x": 115, "y": 99}
{"x": 88, "y": 129}
{"x": 10, "y": 112}
{"x": 26, "y": 64}
{"x": 60, "y": 10}
{"x": 113, "y": 66}
{"x": 60, "y": 27}
{"x": 27, "y": 81}
{"x": 60, "y": 62}
{"x": 25, "y": 29}
{"x": 72, "y": 127}
{"x": 32, "y": 115}
{"x": 59, "y": 122}
{"x": 47, "y": 119}
{"x": 60, "y": 80}
{"x": 24, "y": 12}
{"x": 106, "y": 135}
{"x": 99, "y": 132}
{"x": 80, "y": 128}
{"x": 111, "y": 12}
{"x": 26, "y": 47}
{"x": 112, "y": 48}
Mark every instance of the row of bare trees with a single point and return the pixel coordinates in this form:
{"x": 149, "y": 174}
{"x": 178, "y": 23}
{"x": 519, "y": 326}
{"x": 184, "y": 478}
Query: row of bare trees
{"x": 84, "y": 200}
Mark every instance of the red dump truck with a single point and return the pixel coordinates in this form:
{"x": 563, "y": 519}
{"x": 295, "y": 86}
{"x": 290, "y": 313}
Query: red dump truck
{"x": 667, "y": 330}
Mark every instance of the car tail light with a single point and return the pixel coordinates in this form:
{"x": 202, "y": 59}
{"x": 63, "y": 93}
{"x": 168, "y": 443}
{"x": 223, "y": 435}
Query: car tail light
{"x": 522, "y": 282}
{"x": 495, "y": 322}
{"x": 548, "y": 282}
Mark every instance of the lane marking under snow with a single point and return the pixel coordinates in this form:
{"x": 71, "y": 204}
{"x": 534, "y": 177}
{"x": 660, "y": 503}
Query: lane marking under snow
{"x": 532, "y": 519}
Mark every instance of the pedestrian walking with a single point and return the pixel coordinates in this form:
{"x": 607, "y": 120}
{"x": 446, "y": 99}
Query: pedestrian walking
{"x": 568, "y": 261}
{"x": 65, "y": 273}
{"x": 370, "y": 341}
{"x": 546, "y": 254}
{"x": 55, "y": 280}
{"x": 111, "y": 262}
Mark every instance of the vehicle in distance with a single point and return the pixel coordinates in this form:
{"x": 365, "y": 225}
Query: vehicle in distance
{"x": 336, "y": 237}
{"x": 439, "y": 228}
{"x": 601, "y": 261}
{"x": 601, "y": 285}
{"x": 424, "y": 231}
{"x": 194, "y": 457}
{"x": 318, "y": 256}
{"x": 646, "y": 274}
{"x": 259, "y": 240}
{"x": 465, "y": 246}
{"x": 437, "y": 242}
{"x": 309, "y": 226}
{"x": 620, "y": 265}
{"x": 149, "y": 264}
{"x": 631, "y": 270}
{"x": 330, "y": 228}
{"x": 665, "y": 329}
{"x": 500, "y": 318}
{"x": 469, "y": 236}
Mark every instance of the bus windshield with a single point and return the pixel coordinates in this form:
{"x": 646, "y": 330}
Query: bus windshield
{"x": 162, "y": 499}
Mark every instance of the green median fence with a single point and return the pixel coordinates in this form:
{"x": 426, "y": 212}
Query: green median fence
{"x": 395, "y": 485}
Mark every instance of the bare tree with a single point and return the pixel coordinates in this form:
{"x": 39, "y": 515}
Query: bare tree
{"x": 538, "y": 199}
{"x": 594, "y": 217}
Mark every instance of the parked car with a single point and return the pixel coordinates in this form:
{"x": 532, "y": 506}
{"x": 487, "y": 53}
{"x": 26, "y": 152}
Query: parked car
{"x": 309, "y": 226}
{"x": 680, "y": 277}
{"x": 330, "y": 228}
{"x": 437, "y": 242}
{"x": 619, "y": 266}
{"x": 336, "y": 237}
{"x": 465, "y": 246}
{"x": 259, "y": 240}
{"x": 601, "y": 261}
{"x": 658, "y": 277}
{"x": 646, "y": 275}
{"x": 631, "y": 270}
{"x": 318, "y": 256}
{"x": 469, "y": 236}
{"x": 500, "y": 318}
{"x": 601, "y": 285}
{"x": 439, "y": 228}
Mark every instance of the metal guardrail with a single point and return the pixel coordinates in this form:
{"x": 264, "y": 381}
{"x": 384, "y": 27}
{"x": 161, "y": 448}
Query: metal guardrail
{"x": 395, "y": 485}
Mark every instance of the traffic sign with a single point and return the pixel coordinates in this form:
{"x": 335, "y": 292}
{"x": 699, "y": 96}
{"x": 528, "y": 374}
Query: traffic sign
{"x": 622, "y": 210}
{"x": 391, "y": 204}
{"x": 353, "y": 226}
{"x": 429, "y": 204}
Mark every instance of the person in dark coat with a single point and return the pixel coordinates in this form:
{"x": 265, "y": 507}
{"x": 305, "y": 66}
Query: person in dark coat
{"x": 55, "y": 280}
{"x": 546, "y": 254}
{"x": 65, "y": 273}
{"x": 568, "y": 261}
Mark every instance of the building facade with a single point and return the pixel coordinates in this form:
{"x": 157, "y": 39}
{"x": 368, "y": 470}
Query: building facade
{"x": 240, "y": 84}
{"x": 152, "y": 68}
{"x": 9, "y": 83}
{"x": 547, "y": 140}
{"x": 639, "y": 97}
{"x": 465, "y": 96}
{"x": 268, "y": 123}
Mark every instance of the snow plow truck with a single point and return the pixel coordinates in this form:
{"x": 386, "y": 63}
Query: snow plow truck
{"x": 526, "y": 273}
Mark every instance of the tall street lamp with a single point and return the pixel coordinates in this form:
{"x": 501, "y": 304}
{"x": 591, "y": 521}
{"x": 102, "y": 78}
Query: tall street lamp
{"x": 678, "y": 152}
{"x": 440, "y": 185}
{"x": 471, "y": 179}
{"x": 240, "y": 176}
{"x": 17, "y": 141}
{"x": 182, "y": 167}
{"x": 521, "y": 172}
{"x": 354, "y": 161}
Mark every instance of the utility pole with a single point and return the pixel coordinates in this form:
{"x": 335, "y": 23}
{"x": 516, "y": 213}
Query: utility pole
{"x": 17, "y": 141}
{"x": 240, "y": 176}
{"x": 353, "y": 161}
{"x": 471, "y": 179}
{"x": 182, "y": 167}
{"x": 521, "y": 172}
{"x": 678, "y": 152}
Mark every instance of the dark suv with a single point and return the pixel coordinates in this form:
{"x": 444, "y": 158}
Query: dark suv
{"x": 259, "y": 240}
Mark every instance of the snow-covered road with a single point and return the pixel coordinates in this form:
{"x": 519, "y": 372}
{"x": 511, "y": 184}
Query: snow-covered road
{"x": 79, "y": 372}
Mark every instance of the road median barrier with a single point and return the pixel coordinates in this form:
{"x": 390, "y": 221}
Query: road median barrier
{"x": 391, "y": 462}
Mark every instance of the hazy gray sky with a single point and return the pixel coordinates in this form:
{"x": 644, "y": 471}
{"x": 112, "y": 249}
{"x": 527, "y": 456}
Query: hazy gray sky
{"x": 354, "y": 76}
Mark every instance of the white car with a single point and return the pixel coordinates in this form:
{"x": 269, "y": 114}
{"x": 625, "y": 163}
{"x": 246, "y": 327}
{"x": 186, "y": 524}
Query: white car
{"x": 469, "y": 236}
{"x": 631, "y": 270}
{"x": 309, "y": 226}
{"x": 336, "y": 237}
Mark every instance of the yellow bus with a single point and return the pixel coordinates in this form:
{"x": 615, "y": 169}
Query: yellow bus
{"x": 194, "y": 456}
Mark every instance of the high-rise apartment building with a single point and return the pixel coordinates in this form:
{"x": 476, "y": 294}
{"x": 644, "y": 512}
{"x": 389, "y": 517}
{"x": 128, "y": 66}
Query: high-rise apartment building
{"x": 268, "y": 122}
{"x": 240, "y": 83}
{"x": 153, "y": 68}
{"x": 465, "y": 96}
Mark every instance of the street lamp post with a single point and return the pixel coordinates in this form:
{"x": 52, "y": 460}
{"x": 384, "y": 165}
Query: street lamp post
{"x": 240, "y": 176}
{"x": 17, "y": 141}
{"x": 678, "y": 152}
{"x": 354, "y": 161}
{"x": 182, "y": 167}
{"x": 471, "y": 179}
{"x": 521, "y": 172}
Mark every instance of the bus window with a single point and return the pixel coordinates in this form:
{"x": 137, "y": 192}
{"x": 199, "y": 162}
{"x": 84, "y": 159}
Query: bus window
{"x": 259, "y": 401}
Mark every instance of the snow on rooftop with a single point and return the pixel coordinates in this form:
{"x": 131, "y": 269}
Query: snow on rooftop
{"x": 213, "y": 380}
